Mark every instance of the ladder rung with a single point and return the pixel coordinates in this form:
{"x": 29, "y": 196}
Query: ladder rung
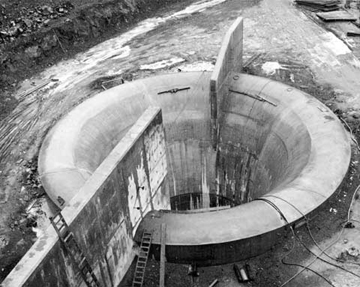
{"x": 61, "y": 227}
{"x": 83, "y": 260}
{"x": 68, "y": 237}
{"x": 141, "y": 267}
{"x": 57, "y": 218}
{"x": 142, "y": 262}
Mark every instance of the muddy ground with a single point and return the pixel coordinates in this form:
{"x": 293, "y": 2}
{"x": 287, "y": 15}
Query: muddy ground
{"x": 272, "y": 36}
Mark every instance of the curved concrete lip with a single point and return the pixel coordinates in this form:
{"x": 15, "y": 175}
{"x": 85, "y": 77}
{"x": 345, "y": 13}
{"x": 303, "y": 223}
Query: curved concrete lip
{"x": 324, "y": 170}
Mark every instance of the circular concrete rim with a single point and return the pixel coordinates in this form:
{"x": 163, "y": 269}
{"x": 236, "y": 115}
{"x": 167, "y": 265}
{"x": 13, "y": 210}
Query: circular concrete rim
{"x": 323, "y": 173}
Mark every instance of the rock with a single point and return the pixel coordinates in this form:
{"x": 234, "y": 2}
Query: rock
{"x": 3, "y": 58}
{"x": 48, "y": 42}
{"x": 46, "y": 10}
{"x": 33, "y": 52}
{"x": 27, "y": 22}
{"x": 21, "y": 242}
{"x": 23, "y": 190}
{"x": 349, "y": 225}
{"x": 353, "y": 251}
{"x": 3, "y": 241}
{"x": 14, "y": 31}
{"x": 355, "y": 115}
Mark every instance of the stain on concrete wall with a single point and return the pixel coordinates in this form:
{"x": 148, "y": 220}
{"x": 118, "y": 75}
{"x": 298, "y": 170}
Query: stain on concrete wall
{"x": 105, "y": 213}
{"x": 191, "y": 167}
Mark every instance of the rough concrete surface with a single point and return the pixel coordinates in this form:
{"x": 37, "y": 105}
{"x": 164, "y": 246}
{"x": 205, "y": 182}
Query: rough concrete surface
{"x": 292, "y": 48}
{"x": 105, "y": 213}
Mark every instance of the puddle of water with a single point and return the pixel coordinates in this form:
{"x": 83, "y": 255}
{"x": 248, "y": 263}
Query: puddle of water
{"x": 162, "y": 64}
{"x": 270, "y": 68}
{"x": 196, "y": 67}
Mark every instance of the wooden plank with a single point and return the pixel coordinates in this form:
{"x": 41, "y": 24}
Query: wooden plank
{"x": 336, "y": 16}
{"x": 318, "y": 2}
{"x": 162, "y": 254}
{"x": 352, "y": 30}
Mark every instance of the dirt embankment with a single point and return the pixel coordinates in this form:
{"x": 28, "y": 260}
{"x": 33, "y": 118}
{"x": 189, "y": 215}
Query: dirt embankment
{"x": 35, "y": 34}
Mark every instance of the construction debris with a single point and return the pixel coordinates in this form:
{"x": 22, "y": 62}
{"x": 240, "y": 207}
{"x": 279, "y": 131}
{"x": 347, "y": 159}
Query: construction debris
{"x": 336, "y": 16}
{"x": 38, "y": 87}
{"x": 320, "y": 5}
{"x": 193, "y": 271}
{"x": 252, "y": 59}
{"x": 353, "y": 31}
{"x": 216, "y": 281}
{"x": 354, "y": 252}
{"x": 242, "y": 273}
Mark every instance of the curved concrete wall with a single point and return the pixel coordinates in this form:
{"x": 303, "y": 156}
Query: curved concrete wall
{"x": 73, "y": 152}
{"x": 261, "y": 145}
{"x": 294, "y": 150}
{"x": 304, "y": 152}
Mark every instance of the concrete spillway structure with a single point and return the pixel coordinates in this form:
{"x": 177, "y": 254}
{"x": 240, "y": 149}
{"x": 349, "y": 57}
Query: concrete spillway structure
{"x": 274, "y": 152}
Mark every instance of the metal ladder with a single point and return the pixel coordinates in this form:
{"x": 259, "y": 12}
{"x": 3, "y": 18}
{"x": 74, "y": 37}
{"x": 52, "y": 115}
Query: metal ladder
{"x": 142, "y": 259}
{"x": 77, "y": 256}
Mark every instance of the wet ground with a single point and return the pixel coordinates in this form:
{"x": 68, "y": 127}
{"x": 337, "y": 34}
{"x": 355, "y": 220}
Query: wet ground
{"x": 281, "y": 42}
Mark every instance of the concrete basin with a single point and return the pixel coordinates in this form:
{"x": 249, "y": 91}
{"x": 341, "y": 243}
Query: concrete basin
{"x": 278, "y": 147}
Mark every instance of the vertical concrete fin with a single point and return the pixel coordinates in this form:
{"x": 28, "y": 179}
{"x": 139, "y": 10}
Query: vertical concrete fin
{"x": 229, "y": 60}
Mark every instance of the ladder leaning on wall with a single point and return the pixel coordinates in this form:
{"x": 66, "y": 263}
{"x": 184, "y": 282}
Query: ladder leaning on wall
{"x": 76, "y": 255}
{"x": 142, "y": 259}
